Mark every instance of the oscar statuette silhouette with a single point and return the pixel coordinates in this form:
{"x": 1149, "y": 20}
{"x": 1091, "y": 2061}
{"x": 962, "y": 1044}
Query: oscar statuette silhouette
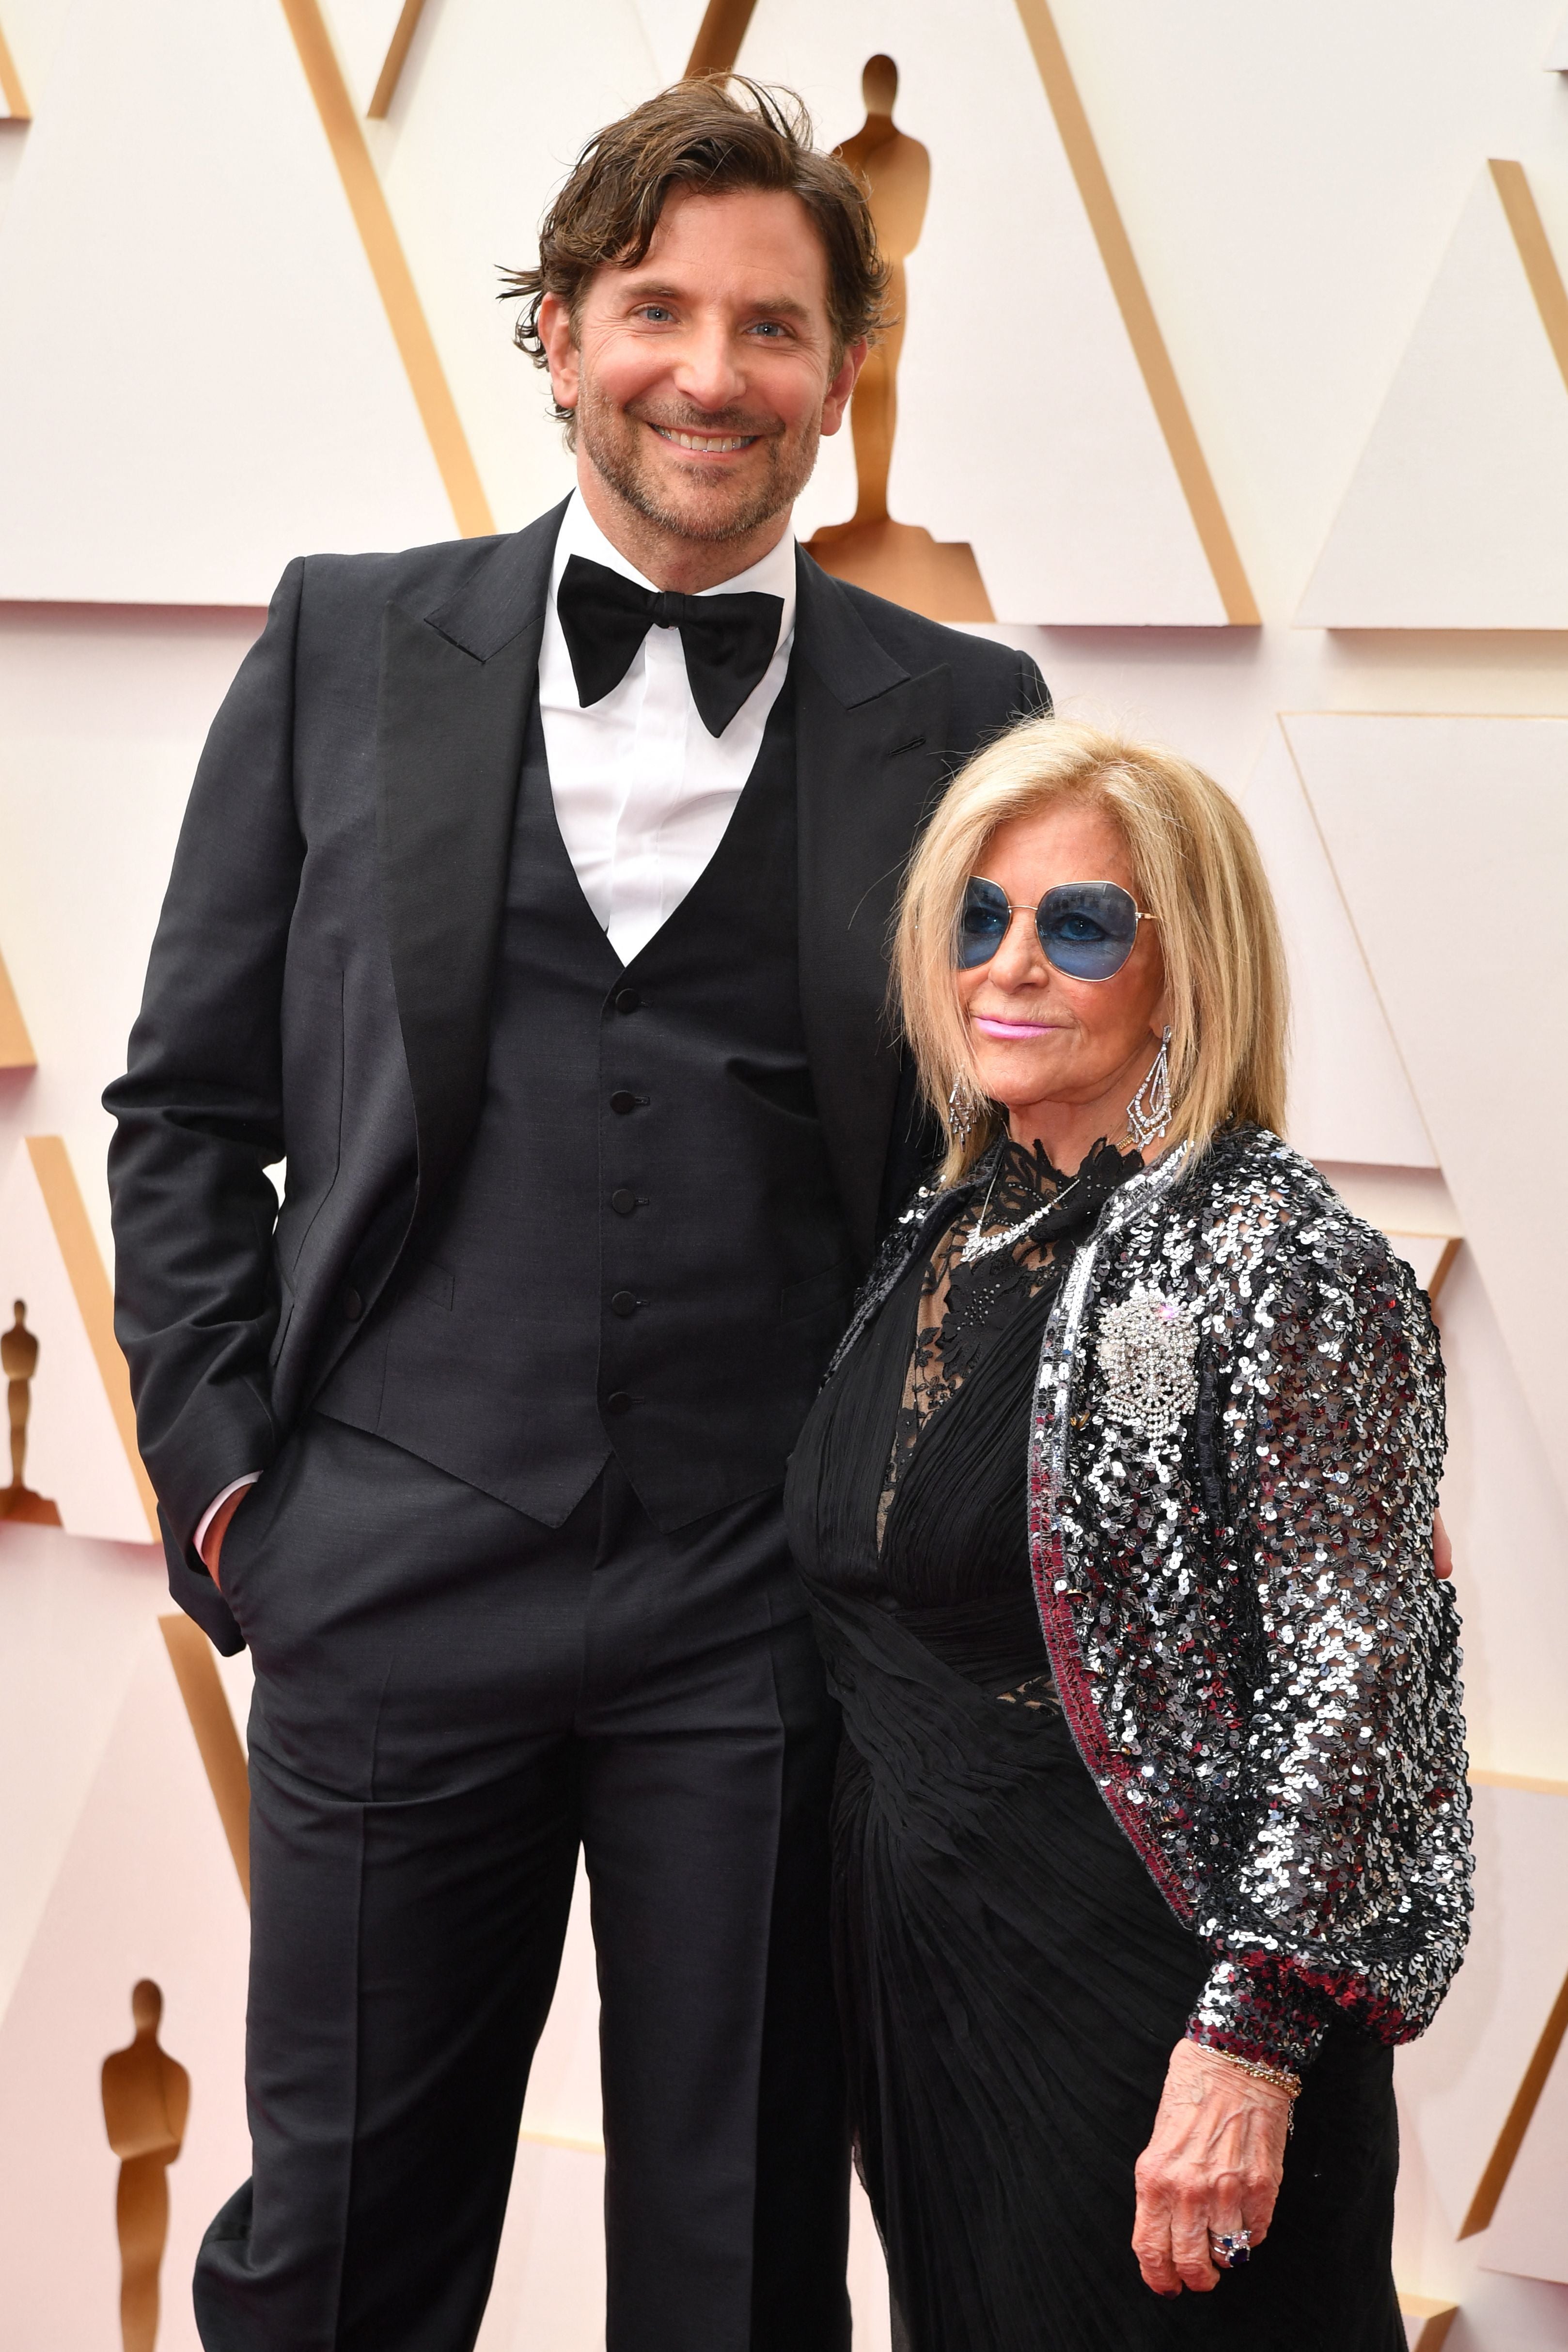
{"x": 146, "y": 2103}
{"x": 18, "y": 1362}
{"x": 897, "y": 560}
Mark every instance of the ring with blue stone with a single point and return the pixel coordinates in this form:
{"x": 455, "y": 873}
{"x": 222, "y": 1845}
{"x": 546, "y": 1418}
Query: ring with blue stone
{"x": 1231, "y": 2249}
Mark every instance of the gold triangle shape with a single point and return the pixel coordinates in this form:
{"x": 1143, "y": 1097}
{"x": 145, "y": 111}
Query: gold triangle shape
{"x": 16, "y": 97}
{"x": 1540, "y": 261}
{"x": 16, "y": 1046}
{"x": 389, "y": 265}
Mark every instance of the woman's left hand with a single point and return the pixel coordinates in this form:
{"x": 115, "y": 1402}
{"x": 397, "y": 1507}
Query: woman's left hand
{"x": 1215, "y": 2163}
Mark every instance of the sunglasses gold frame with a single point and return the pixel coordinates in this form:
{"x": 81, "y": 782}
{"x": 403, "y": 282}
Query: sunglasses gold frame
{"x": 1012, "y": 911}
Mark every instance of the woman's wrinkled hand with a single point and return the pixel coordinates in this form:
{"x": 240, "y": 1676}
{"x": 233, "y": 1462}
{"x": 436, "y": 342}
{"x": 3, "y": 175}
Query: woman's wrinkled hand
{"x": 1215, "y": 2162}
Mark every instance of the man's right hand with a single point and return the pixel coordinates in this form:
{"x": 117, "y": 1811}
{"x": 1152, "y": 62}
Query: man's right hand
{"x": 212, "y": 1542}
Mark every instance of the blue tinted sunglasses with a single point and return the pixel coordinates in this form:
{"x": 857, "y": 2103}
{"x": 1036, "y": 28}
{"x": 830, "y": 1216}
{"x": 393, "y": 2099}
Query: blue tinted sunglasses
{"x": 1087, "y": 929}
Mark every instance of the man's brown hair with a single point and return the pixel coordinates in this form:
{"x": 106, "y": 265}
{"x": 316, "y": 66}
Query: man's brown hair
{"x": 704, "y": 135}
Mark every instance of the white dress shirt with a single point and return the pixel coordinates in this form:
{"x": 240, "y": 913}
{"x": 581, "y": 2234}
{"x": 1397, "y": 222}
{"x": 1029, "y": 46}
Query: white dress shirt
{"x": 642, "y": 792}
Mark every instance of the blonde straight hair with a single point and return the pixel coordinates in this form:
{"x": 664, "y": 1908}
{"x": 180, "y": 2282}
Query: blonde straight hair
{"x": 1196, "y": 868}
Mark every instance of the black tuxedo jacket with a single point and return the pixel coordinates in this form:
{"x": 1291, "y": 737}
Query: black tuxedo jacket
{"x": 319, "y": 983}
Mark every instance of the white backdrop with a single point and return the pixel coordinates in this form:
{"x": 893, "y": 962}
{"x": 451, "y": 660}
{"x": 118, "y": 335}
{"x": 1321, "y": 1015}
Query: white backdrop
{"x": 199, "y": 375}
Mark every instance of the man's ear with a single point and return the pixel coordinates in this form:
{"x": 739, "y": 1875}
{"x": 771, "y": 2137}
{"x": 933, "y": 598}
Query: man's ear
{"x": 560, "y": 350}
{"x": 843, "y": 384}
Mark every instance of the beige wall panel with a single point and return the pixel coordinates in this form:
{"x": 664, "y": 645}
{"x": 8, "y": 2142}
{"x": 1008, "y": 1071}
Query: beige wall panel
{"x": 1456, "y": 517}
{"x": 1290, "y": 178}
{"x": 73, "y": 1618}
{"x": 1557, "y": 60}
{"x": 563, "y": 2101}
{"x": 104, "y": 716}
{"x": 549, "y": 2290}
{"x": 1404, "y": 1200}
{"x": 146, "y": 1888}
{"x": 32, "y": 31}
{"x": 197, "y": 378}
{"x": 1427, "y": 1255}
{"x": 1073, "y": 507}
{"x": 1529, "y": 2233}
{"x": 1349, "y": 1099}
{"x": 493, "y": 105}
{"x": 1456, "y": 2083}
{"x": 364, "y": 32}
{"x": 76, "y": 1455}
{"x": 669, "y": 28}
{"x": 1449, "y": 838}
{"x": 1504, "y": 1512}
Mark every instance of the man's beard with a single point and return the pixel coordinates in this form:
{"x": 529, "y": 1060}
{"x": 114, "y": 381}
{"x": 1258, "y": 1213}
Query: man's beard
{"x": 611, "y": 440}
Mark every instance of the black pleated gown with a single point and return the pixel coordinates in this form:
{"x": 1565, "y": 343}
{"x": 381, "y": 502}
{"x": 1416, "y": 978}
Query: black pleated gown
{"x": 1011, "y": 1982}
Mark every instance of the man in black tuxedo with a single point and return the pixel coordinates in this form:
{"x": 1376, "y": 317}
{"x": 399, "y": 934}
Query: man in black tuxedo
{"x": 531, "y": 901}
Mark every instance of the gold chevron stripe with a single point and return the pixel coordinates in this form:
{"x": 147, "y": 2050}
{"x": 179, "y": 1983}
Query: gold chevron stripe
{"x": 1137, "y": 316}
{"x": 1536, "y": 254}
{"x": 94, "y": 1299}
{"x": 395, "y": 280}
{"x": 719, "y": 37}
{"x": 16, "y": 1046}
{"x": 1494, "y": 2179}
{"x": 11, "y": 85}
{"x": 1482, "y": 1779}
{"x": 392, "y": 64}
{"x": 217, "y": 1741}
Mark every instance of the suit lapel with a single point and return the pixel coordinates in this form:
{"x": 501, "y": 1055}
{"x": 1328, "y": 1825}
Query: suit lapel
{"x": 870, "y": 744}
{"x": 456, "y": 684}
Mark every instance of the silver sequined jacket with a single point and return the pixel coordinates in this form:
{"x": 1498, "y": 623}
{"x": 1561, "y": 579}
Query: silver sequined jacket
{"x": 1233, "y": 1468}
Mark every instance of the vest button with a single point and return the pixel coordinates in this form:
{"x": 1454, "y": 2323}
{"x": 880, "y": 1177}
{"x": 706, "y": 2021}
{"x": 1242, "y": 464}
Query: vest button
{"x": 621, "y": 1101}
{"x": 353, "y": 1306}
{"x": 626, "y": 1000}
{"x": 623, "y": 1203}
{"x": 617, "y": 1402}
{"x": 624, "y": 1303}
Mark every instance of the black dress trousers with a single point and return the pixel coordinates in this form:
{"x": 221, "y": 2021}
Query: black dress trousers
{"x": 449, "y": 1698}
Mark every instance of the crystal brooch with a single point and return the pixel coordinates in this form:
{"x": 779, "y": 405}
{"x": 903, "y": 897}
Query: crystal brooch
{"x": 1147, "y": 1348}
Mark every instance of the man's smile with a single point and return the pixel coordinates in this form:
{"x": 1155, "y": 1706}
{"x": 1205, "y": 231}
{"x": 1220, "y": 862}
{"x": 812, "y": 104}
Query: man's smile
{"x": 706, "y": 445}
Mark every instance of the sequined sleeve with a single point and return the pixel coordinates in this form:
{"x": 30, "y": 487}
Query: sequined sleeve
{"x": 1349, "y": 1887}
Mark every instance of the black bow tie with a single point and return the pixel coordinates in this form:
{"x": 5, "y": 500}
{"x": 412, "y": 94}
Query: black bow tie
{"x": 728, "y": 641}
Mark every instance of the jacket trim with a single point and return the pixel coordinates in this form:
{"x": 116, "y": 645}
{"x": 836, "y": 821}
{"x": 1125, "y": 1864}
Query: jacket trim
{"x": 1114, "y": 1773}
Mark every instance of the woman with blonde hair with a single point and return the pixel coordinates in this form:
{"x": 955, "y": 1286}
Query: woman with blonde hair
{"x": 1151, "y": 1835}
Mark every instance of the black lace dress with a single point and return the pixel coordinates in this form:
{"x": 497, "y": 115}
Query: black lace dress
{"x": 1010, "y": 1982}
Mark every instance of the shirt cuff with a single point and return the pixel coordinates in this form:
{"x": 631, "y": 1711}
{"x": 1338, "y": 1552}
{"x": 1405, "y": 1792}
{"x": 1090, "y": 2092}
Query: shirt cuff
{"x": 1256, "y": 2008}
{"x": 216, "y": 1505}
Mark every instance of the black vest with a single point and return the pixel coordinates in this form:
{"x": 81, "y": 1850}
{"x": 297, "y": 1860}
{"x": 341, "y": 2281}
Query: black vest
{"x": 643, "y": 1249}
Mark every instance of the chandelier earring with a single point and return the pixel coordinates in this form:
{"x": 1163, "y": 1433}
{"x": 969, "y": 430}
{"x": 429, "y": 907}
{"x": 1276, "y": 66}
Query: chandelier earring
{"x": 963, "y": 1109}
{"x": 1148, "y": 1112}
